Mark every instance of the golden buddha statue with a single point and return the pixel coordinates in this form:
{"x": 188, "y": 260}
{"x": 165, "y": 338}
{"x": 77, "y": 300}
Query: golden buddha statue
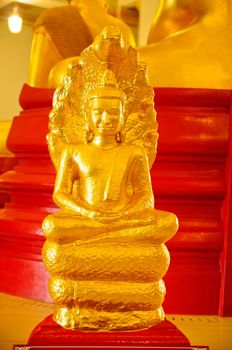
{"x": 65, "y": 32}
{"x": 189, "y": 44}
{"x": 105, "y": 248}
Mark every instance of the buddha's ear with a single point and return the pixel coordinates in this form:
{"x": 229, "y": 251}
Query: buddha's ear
{"x": 88, "y": 119}
{"x": 89, "y": 128}
{"x": 119, "y": 137}
{"x": 89, "y": 135}
{"x": 125, "y": 116}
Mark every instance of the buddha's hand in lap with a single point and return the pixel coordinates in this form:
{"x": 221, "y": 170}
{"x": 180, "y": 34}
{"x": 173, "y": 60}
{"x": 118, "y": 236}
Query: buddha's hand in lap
{"x": 99, "y": 216}
{"x": 106, "y": 217}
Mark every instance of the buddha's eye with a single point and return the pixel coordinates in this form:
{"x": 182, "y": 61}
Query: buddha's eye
{"x": 115, "y": 112}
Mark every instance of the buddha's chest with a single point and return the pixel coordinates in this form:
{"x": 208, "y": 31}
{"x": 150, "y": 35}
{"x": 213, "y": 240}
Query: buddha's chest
{"x": 103, "y": 175}
{"x": 101, "y": 165}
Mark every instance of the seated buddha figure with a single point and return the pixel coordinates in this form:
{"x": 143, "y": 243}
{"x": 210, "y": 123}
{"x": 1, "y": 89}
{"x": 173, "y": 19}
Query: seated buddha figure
{"x": 105, "y": 248}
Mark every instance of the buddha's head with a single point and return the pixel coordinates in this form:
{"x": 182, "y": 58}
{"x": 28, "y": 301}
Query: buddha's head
{"x": 106, "y": 107}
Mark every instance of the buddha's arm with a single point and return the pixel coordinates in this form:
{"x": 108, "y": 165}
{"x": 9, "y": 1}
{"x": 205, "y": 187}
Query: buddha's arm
{"x": 142, "y": 197}
{"x": 66, "y": 176}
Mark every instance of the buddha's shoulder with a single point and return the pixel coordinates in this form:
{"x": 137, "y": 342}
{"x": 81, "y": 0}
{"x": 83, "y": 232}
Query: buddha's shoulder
{"x": 85, "y": 148}
{"x": 56, "y": 15}
{"x": 135, "y": 150}
{"x": 74, "y": 149}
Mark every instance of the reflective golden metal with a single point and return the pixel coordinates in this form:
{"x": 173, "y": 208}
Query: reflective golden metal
{"x": 190, "y": 44}
{"x": 105, "y": 248}
{"x": 64, "y": 32}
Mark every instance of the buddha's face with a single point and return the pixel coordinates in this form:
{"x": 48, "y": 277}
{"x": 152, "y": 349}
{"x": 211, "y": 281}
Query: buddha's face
{"x": 105, "y": 116}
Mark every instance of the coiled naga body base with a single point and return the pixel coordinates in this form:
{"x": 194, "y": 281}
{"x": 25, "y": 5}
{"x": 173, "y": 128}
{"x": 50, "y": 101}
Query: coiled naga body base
{"x": 114, "y": 281}
{"x": 105, "y": 248}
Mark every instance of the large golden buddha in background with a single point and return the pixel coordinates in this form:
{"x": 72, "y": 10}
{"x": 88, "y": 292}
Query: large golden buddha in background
{"x": 66, "y": 31}
{"x": 105, "y": 247}
{"x": 189, "y": 45}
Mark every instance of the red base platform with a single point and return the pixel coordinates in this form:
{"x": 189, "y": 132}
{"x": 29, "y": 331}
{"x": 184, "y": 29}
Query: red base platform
{"x": 48, "y": 332}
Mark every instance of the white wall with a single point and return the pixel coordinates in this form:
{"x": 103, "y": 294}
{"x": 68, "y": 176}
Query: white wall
{"x": 14, "y": 63}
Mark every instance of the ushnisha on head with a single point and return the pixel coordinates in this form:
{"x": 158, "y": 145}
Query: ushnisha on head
{"x": 106, "y": 106}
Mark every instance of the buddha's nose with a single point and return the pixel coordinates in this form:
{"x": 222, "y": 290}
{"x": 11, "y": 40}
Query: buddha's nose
{"x": 105, "y": 116}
